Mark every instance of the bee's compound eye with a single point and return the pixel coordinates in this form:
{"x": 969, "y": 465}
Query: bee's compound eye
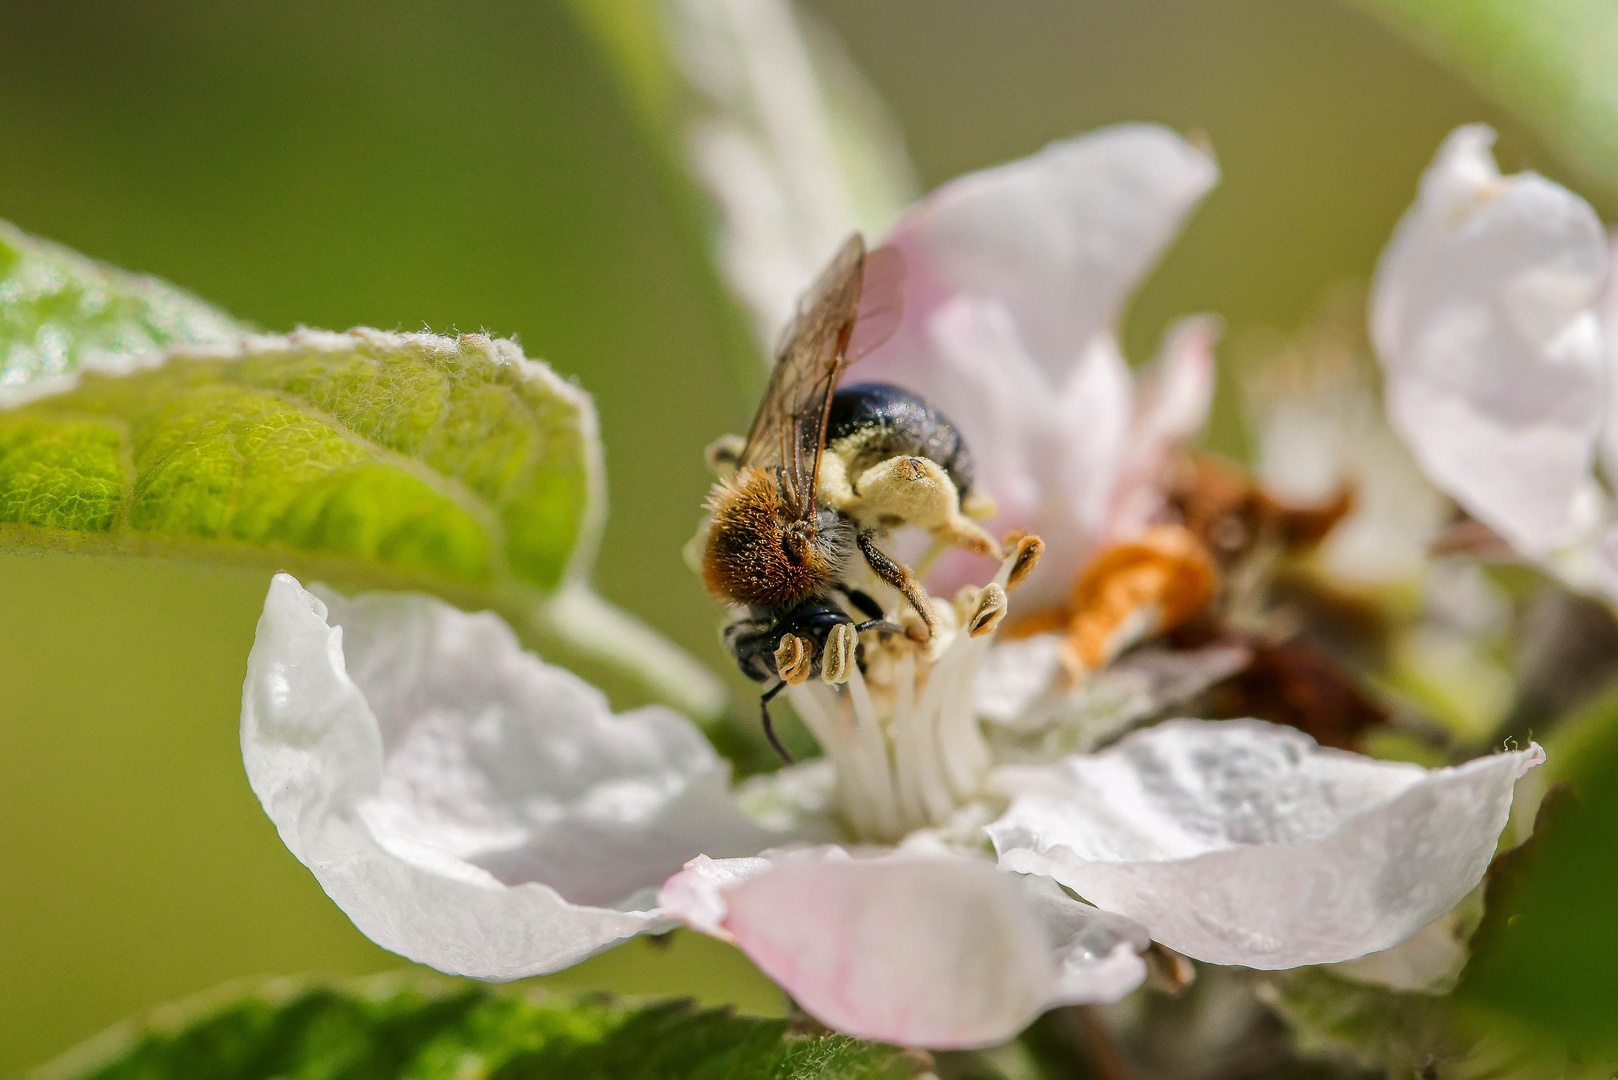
{"x": 794, "y": 658}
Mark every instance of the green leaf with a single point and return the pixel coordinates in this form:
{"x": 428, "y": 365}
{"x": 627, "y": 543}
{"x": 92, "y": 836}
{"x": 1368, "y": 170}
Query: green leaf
{"x": 426, "y": 1029}
{"x": 452, "y": 465}
{"x": 1554, "y": 63}
{"x": 1550, "y": 953}
{"x": 447, "y": 463}
{"x": 1442, "y": 1038}
{"x": 61, "y": 313}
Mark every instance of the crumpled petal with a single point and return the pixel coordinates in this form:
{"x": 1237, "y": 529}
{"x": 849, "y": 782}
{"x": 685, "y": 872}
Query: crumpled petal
{"x": 1241, "y": 842}
{"x": 467, "y": 805}
{"x": 1038, "y": 714}
{"x": 917, "y": 950}
{"x": 1482, "y": 314}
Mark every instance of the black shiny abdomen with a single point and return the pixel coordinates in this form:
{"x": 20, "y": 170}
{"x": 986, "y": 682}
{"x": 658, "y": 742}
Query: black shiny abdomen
{"x": 875, "y": 421}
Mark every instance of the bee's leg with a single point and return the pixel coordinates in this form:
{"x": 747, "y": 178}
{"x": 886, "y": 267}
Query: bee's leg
{"x": 794, "y": 658}
{"x": 769, "y": 725}
{"x": 866, "y": 606}
{"x": 917, "y": 491}
{"x": 881, "y": 626}
{"x": 898, "y": 575}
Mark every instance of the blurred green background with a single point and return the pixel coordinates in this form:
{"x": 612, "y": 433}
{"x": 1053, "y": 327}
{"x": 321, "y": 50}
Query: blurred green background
{"x": 471, "y": 166}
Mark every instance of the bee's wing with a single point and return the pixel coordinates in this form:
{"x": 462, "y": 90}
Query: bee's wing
{"x": 882, "y": 302}
{"x": 789, "y": 431}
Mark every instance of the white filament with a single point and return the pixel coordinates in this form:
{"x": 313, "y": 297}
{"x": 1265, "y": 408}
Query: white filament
{"x": 917, "y": 757}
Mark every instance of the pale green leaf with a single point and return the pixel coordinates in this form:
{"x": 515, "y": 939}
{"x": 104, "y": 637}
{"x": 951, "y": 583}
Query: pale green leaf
{"x": 434, "y": 1029}
{"x": 61, "y": 313}
{"x": 453, "y": 465}
{"x": 1554, "y": 63}
{"x": 448, "y": 462}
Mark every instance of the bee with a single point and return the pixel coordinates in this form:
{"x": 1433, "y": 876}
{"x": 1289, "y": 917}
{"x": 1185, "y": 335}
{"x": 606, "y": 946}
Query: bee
{"x": 821, "y": 476}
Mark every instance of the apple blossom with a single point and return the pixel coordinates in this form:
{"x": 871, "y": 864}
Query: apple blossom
{"x": 951, "y": 867}
{"x": 476, "y": 809}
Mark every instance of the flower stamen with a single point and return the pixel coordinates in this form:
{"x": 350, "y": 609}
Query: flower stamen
{"x": 904, "y": 737}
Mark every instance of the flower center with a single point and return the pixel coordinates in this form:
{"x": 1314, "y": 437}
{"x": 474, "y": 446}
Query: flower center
{"x": 903, "y": 736}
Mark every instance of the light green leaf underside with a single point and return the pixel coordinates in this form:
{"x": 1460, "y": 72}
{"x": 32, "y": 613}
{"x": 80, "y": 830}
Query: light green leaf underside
{"x": 450, "y": 462}
{"x": 436, "y": 1030}
{"x": 1554, "y": 63}
{"x": 61, "y": 312}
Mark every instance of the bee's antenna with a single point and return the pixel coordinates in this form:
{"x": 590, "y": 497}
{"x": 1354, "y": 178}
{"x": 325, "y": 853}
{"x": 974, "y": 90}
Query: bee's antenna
{"x": 769, "y": 725}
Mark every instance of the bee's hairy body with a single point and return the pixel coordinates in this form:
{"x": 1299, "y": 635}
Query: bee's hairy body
{"x": 781, "y": 537}
{"x": 760, "y": 555}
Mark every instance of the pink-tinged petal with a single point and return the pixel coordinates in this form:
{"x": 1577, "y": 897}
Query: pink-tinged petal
{"x": 1049, "y": 456}
{"x": 696, "y": 895}
{"x": 1172, "y": 400}
{"x": 1175, "y": 393}
{"x": 467, "y": 805}
{"x": 926, "y": 951}
{"x": 1482, "y": 315}
{"x": 1241, "y": 842}
{"x": 1014, "y": 280}
{"x": 1061, "y": 238}
{"x": 1097, "y": 954}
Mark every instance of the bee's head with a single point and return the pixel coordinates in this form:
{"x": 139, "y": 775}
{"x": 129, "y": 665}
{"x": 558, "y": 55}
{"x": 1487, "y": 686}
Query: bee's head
{"x": 759, "y": 554}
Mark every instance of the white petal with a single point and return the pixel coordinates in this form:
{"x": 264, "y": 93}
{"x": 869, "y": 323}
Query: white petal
{"x": 1015, "y": 277}
{"x": 1172, "y": 400}
{"x": 1061, "y": 237}
{"x": 1318, "y": 424}
{"x": 1245, "y": 843}
{"x": 1040, "y": 716}
{"x": 1430, "y": 962}
{"x": 467, "y": 805}
{"x": 1049, "y": 456}
{"x": 1176, "y": 391}
{"x": 922, "y": 951}
{"x": 1482, "y": 315}
{"x": 1097, "y": 953}
{"x": 790, "y": 143}
{"x": 1607, "y": 312}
